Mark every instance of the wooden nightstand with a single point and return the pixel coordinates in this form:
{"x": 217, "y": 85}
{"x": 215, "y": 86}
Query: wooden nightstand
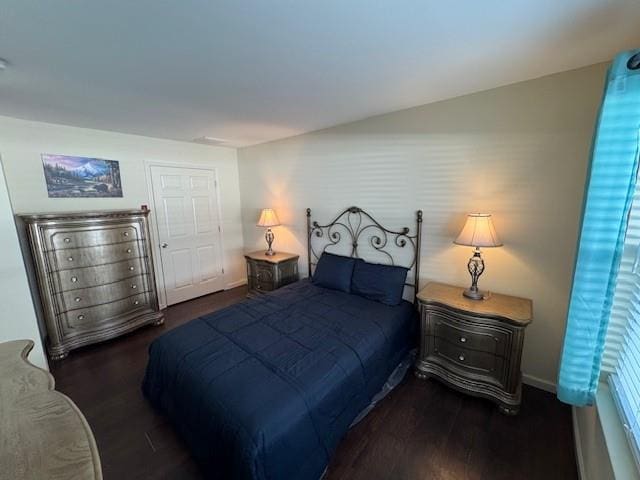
{"x": 266, "y": 273}
{"x": 474, "y": 346}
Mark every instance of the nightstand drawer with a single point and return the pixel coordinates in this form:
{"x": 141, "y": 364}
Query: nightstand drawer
{"x": 473, "y": 361}
{"x": 266, "y": 273}
{"x": 261, "y": 270}
{"x": 261, "y": 284}
{"x": 474, "y": 346}
{"x": 458, "y": 331}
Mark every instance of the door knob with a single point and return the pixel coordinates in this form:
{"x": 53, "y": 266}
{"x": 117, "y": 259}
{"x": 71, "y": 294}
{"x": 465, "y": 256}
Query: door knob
{"x": 164, "y": 245}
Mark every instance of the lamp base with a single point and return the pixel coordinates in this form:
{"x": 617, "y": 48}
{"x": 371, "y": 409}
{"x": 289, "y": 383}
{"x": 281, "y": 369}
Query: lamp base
{"x": 475, "y": 267}
{"x": 269, "y": 237}
{"x": 474, "y": 294}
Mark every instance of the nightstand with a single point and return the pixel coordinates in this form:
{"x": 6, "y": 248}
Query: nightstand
{"x": 269, "y": 272}
{"x": 474, "y": 346}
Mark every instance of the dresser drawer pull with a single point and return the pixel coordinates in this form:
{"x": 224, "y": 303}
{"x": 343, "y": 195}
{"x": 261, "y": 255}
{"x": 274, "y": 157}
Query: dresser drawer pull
{"x": 80, "y": 317}
{"x": 77, "y": 299}
{"x": 134, "y": 286}
{"x": 70, "y": 259}
{"x": 136, "y": 302}
{"x": 74, "y": 279}
{"x": 67, "y": 240}
{"x": 461, "y": 358}
{"x": 128, "y": 250}
{"x": 126, "y": 234}
{"x": 131, "y": 268}
{"x": 463, "y": 340}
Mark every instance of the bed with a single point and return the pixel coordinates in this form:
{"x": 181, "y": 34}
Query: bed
{"x": 266, "y": 388}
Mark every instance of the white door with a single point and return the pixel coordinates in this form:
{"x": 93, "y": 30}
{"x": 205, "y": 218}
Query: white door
{"x": 189, "y": 232}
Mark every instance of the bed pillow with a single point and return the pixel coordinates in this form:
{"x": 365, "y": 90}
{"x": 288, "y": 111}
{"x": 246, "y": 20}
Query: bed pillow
{"x": 382, "y": 283}
{"x": 334, "y": 272}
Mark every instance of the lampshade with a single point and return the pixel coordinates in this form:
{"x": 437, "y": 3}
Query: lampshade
{"x": 268, "y": 218}
{"x": 478, "y": 231}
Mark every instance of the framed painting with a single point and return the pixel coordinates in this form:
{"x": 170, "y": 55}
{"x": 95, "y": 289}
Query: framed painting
{"x": 68, "y": 176}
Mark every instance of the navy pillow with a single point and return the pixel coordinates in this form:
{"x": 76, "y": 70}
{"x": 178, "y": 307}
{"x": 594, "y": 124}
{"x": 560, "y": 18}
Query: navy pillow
{"x": 382, "y": 283}
{"x": 334, "y": 271}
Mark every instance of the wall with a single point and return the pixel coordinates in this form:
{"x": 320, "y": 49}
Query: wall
{"x": 22, "y": 142}
{"x": 519, "y": 152}
{"x": 18, "y": 319}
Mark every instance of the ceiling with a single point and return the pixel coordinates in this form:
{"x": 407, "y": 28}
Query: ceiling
{"x": 250, "y": 71}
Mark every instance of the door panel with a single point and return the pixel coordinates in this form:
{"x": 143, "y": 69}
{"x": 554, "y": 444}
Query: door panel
{"x": 188, "y": 231}
{"x": 207, "y": 260}
{"x": 181, "y": 263}
{"x": 202, "y": 215}
{"x": 173, "y": 211}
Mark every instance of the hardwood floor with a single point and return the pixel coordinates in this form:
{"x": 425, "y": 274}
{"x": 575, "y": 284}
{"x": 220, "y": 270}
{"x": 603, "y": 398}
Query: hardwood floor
{"x": 421, "y": 431}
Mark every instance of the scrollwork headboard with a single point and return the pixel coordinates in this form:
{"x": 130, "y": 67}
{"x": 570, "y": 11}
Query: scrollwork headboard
{"x": 357, "y": 234}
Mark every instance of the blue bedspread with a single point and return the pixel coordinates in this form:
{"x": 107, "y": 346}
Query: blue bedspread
{"x": 266, "y": 388}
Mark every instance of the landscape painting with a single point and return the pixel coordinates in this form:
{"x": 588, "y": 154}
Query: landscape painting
{"x": 81, "y": 176}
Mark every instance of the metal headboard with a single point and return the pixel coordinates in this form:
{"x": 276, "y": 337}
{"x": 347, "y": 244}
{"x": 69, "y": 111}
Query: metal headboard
{"x": 354, "y": 226}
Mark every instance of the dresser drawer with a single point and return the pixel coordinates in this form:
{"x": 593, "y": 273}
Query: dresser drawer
{"x": 88, "y": 297}
{"x": 87, "y": 257}
{"x": 472, "y": 361}
{"x": 87, "y": 277}
{"x": 96, "y": 318}
{"x": 458, "y": 331}
{"x": 91, "y": 236}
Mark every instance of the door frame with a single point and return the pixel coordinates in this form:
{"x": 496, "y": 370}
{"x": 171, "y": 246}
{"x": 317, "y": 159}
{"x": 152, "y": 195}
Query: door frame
{"x": 153, "y": 220}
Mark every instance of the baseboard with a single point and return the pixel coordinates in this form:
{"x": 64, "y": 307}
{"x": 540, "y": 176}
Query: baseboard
{"x": 545, "y": 385}
{"x": 237, "y": 283}
{"x": 582, "y": 474}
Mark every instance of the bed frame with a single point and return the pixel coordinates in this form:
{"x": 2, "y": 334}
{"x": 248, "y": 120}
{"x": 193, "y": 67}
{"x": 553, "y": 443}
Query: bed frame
{"x": 354, "y": 226}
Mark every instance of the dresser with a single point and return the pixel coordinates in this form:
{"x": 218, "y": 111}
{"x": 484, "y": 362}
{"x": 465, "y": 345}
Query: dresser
{"x": 95, "y": 275}
{"x": 44, "y": 435}
{"x": 474, "y": 346}
{"x": 269, "y": 272}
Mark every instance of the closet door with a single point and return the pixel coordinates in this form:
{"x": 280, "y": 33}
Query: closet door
{"x": 189, "y": 231}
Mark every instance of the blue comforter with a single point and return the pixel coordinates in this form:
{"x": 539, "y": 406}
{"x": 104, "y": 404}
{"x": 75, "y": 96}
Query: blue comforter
{"x": 266, "y": 388}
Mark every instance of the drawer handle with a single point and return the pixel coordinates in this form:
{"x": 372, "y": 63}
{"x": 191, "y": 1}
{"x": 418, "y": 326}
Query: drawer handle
{"x": 463, "y": 340}
{"x": 131, "y": 269}
{"x": 74, "y": 279}
{"x": 134, "y": 286}
{"x": 70, "y": 259}
{"x": 128, "y": 250}
{"x": 126, "y": 234}
{"x": 496, "y": 339}
{"x": 67, "y": 240}
{"x": 136, "y": 302}
{"x": 77, "y": 299}
{"x": 461, "y": 358}
{"x": 80, "y": 317}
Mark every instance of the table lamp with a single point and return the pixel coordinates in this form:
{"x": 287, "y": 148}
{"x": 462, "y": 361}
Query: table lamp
{"x": 478, "y": 231}
{"x": 268, "y": 218}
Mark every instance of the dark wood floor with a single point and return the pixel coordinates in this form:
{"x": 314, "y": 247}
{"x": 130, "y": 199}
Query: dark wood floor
{"x": 422, "y": 430}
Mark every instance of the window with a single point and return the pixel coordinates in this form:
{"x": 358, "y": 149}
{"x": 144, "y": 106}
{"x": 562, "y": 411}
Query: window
{"x": 621, "y": 359}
